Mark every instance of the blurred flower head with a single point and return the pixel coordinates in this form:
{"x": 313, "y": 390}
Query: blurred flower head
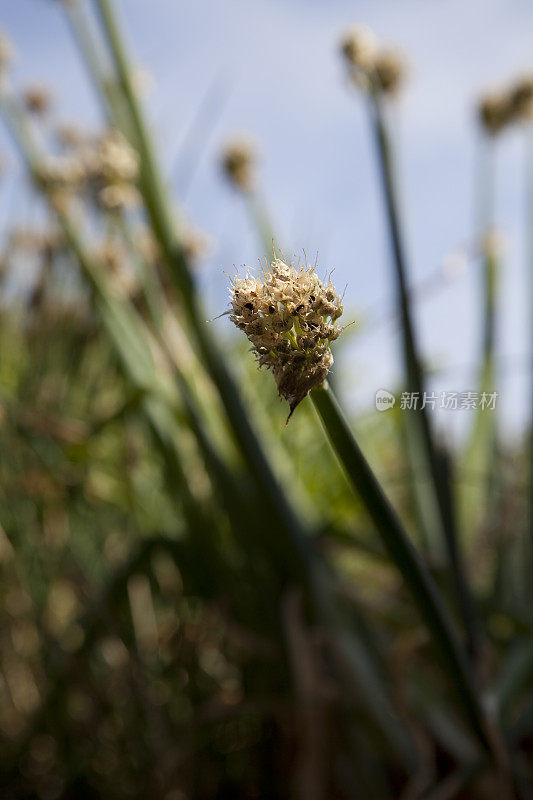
{"x": 389, "y": 70}
{"x": 238, "y": 162}
{"x": 359, "y": 47}
{"x": 119, "y": 197}
{"x": 522, "y": 98}
{"x": 61, "y": 177}
{"x": 114, "y": 158}
{"x": 37, "y": 99}
{"x": 372, "y": 67}
{"x": 495, "y": 111}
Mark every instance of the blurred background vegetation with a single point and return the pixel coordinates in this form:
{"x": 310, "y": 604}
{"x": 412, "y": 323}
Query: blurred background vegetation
{"x": 197, "y": 601}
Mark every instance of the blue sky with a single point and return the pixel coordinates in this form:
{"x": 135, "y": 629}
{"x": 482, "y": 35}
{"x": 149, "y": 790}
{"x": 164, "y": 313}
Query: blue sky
{"x": 273, "y": 69}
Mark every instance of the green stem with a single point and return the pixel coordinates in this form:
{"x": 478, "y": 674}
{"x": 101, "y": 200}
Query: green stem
{"x": 442, "y": 516}
{"x": 158, "y": 207}
{"x": 477, "y": 500}
{"x": 529, "y": 255}
{"x": 261, "y": 220}
{"x": 404, "y": 555}
{"x": 91, "y": 52}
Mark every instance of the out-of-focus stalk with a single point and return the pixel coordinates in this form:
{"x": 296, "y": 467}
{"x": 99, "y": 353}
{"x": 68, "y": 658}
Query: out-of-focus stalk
{"x": 438, "y": 518}
{"x": 287, "y": 543}
{"x": 528, "y": 583}
{"x": 92, "y": 53}
{"x": 479, "y": 462}
{"x": 159, "y": 210}
{"x": 261, "y": 219}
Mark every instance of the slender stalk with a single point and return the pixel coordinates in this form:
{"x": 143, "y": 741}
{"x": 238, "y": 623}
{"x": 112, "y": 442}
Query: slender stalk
{"x": 91, "y": 52}
{"x": 476, "y": 501}
{"x": 261, "y": 220}
{"x": 404, "y": 555}
{"x": 441, "y": 515}
{"x": 158, "y": 207}
{"x": 529, "y": 256}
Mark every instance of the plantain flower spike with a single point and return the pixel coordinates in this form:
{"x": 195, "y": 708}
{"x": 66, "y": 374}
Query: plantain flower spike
{"x": 291, "y": 318}
{"x": 522, "y": 98}
{"x": 495, "y": 112}
{"x": 238, "y": 163}
{"x": 359, "y": 47}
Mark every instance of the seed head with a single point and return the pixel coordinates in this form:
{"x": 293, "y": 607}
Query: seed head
{"x": 38, "y": 100}
{"x": 119, "y": 197}
{"x": 116, "y": 161}
{"x": 61, "y": 175}
{"x": 238, "y": 163}
{"x": 495, "y": 112}
{"x": 359, "y": 47}
{"x": 522, "y": 98}
{"x": 389, "y": 70}
{"x": 290, "y": 317}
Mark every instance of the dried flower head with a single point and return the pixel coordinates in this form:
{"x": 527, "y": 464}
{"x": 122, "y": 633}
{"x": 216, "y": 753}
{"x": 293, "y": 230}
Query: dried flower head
{"x": 238, "y": 162}
{"x": 359, "y": 47}
{"x": 495, "y": 112}
{"x": 290, "y": 317}
{"x": 37, "y": 99}
{"x": 116, "y": 161}
{"x": 119, "y": 197}
{"x": 389, "y": 70}
{"x": 61, "y": 177}
{"x": 522, "y": 98}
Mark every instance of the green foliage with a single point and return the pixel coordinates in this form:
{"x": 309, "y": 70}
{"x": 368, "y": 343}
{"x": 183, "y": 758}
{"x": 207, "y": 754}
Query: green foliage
{"x": 195, "y": 600}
